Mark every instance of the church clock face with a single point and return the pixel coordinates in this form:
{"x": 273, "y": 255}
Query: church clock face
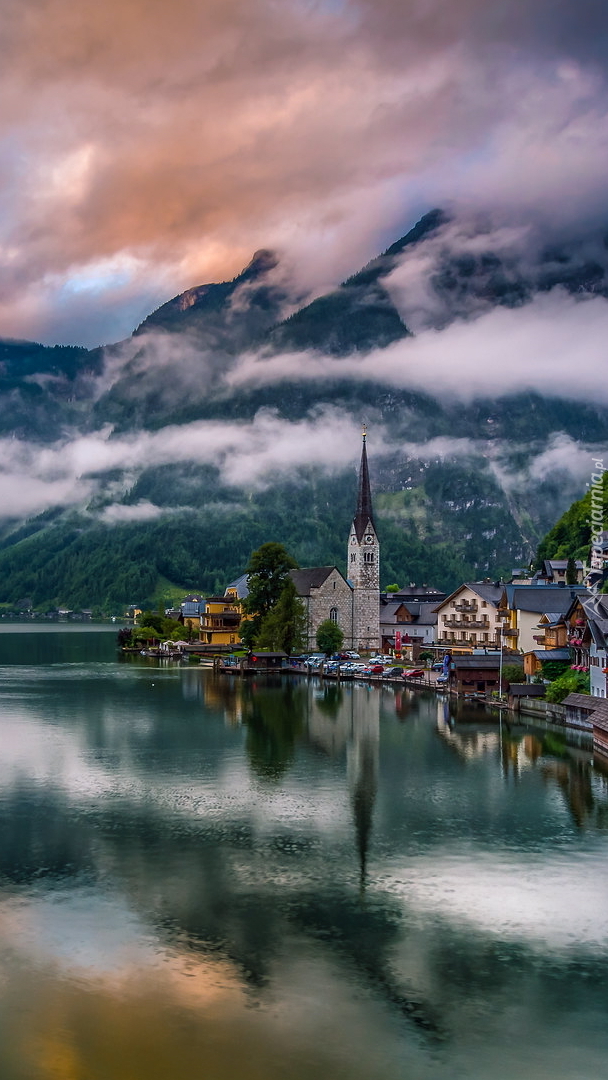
{"x": 369, "y": 539}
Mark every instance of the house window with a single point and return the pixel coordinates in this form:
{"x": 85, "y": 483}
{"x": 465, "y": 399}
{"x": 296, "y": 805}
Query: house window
{"x": 334, "y": 614}
{"x": 368, "y": 556}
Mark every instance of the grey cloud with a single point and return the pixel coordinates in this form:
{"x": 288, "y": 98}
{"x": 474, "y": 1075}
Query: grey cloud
{"x": 148, "y": 145}
{"x": 556, "y": 344}
{"x": 71, "y": 473}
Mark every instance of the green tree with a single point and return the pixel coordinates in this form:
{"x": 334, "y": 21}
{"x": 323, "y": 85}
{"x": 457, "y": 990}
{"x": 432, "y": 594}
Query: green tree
{"x": 392, "y": 588}
{"x": 571, "y": 682}
{"x": 571, "y": 576}
{"x": 267, "y": 569}
{"x": 513, "y": 673}
{"x": 284, "y": 627}
{"x": 553, "y": 669}
{"x": 329, "y": 637}
{"x": 146, "y": 633}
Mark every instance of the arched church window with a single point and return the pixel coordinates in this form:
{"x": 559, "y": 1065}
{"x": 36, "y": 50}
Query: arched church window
{"x": 334, "y": 614}
{"x": 368, "y": 556}
{"x": 353, "y": 556}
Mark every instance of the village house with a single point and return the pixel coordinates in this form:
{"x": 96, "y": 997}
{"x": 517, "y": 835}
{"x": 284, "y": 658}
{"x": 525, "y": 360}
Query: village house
{"x": 551, "y": 643}
{"x": 469, "y": 617}
{"x": 596, "y": 612}
{"x": 522, "y": 607}
{"x": 555, "y": 572}
{"x": 406, "y": 625}
{"x": 475, "y": 674}
{"x": 220, "y": 621}
{"x": 191, "y": 609}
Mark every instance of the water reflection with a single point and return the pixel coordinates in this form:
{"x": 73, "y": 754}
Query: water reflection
{"x": 249, "y": 878}
{"x": 274, "y": 716}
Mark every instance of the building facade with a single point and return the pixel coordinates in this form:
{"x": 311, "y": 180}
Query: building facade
{"x": 470, "y": 618}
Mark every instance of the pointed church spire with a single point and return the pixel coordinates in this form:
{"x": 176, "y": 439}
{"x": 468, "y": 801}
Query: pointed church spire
{"x": 364, "y": 512}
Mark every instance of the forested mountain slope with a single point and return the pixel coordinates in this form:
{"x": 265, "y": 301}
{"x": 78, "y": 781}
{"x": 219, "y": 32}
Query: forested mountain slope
{"x": 232, "y": 416}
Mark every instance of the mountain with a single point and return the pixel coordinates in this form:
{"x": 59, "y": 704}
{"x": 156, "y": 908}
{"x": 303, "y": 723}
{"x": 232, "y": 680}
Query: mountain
{"x": 463, "y": 488}
{"x": 570, "y": 537}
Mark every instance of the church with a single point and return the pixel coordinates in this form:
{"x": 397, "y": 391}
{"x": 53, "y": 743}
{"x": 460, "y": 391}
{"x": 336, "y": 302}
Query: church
{"x": 351, "y": 601}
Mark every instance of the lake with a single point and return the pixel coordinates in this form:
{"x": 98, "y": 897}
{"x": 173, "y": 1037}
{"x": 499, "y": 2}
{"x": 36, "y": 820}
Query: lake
{"x": 202, "y": 877}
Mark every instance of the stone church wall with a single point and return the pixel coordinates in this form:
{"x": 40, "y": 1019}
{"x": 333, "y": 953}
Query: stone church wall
{"x": 335, "y": 592}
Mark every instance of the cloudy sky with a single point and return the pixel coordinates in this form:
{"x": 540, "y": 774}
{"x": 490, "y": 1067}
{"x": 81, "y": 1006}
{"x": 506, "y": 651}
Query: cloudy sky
{"x": 147, "y": 147}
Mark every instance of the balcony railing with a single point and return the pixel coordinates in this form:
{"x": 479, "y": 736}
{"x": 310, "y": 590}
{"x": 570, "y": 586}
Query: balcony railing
{"x": 508, "y": 631}
{"x": 466, "y": 605}
{"x": 471, "y": 624}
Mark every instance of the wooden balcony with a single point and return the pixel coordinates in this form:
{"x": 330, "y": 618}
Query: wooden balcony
{"x": 470, "y": 624}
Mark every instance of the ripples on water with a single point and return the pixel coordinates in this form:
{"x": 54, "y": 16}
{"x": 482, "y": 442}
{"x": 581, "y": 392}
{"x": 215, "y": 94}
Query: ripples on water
{"x": 203, "y": 878}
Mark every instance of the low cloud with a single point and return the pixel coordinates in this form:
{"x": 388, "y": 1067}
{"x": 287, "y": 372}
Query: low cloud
{"x": 247, "y": 455}
{"x": 120, "y": 513}
{"x": 555, "y": 345}
{"x": 70, "y": 472}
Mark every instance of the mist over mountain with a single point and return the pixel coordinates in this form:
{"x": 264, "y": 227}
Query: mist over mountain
{"x": 473, "y": 349}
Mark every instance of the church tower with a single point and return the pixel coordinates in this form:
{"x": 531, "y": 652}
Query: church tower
{"x": 363, "y": 565}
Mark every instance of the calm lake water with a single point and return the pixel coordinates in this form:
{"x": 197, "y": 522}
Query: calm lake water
{"x": 203, "y": 878}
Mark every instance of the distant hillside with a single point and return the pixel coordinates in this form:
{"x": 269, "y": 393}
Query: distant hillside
{"x": 462, "y": 488}
{"x": 570, "y": 537}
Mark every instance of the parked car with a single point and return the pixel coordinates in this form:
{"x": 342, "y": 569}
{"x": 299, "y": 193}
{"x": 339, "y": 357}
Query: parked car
{"x": 393, "y": 672}
{"x": 443, "y": 680}
{"x": 437, "y": 666}
{"x": 414, "y": 673}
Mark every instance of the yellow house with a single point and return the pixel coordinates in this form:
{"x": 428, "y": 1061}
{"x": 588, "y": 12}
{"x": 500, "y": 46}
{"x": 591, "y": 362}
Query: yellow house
{"x": 220, "y": 620}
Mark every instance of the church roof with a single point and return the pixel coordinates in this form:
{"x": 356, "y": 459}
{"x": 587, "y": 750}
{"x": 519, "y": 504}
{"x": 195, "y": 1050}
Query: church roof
{"x": 364, "y": 512}
{"x": 311, "y": 577}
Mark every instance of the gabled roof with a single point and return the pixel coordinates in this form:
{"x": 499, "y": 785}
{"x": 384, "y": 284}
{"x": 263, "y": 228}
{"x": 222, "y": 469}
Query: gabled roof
{"x": 476, "y": 662}
{"x": 540, "y": 599}
{"x": 487, "y": 591}
{"x": 419, "y": 592}
{"x": 551, "y": 654}
{"x": 581, "y": 701}
{"x": 553, "y": 618}
{"x": 312, "y": 577}
{"x": 241, "y": 586}
{"x": 526, "y": 690}
{"x": 388, "y": 612}
{"x": 427, "y": 614}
